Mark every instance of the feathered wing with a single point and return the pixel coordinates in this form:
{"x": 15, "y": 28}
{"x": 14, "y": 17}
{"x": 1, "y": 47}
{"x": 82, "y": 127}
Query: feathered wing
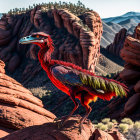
{"x": 109, "y": 87}
{"x": 102, "y": 87}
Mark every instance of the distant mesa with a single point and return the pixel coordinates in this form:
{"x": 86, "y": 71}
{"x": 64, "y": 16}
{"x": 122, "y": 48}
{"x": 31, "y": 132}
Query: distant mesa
{"x": 129, "y": 15}
{"x": 115, "y": 29}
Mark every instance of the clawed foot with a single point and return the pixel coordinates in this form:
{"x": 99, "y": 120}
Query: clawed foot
{"x": 81, "y": 127}
{"x": 60, "y": 124}
{"x": 61, "y": 121}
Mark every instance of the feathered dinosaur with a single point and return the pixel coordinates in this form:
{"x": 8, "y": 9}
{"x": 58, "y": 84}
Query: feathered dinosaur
{"x": 73, "y": 80}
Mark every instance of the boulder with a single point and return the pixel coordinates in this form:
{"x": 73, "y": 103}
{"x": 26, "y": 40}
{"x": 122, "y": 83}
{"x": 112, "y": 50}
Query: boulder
{"x": 101, "y": 135}
{"x": 50, "y": 131}
{"x": 132, "y": 103}
{"x": 5, "y": 131}
{"x": 117, "y": 135}
{"x": 20, "y": 117}
{"x": 129, "y": 75}
{"x": 137, "y": 87}
{"x": 21, "y": 107}
{"x": 130, "y": 57}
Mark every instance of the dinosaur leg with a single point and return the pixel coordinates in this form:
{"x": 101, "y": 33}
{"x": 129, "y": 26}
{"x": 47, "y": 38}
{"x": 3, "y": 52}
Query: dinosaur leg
{"x": 72, "y": 96}
{"x": 84, "y": 102}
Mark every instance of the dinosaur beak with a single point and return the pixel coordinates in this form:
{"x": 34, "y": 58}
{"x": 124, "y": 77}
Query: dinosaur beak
{"x": 30, "y": 39}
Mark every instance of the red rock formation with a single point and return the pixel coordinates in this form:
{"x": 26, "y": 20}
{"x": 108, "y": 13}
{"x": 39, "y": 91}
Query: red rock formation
{"x": 116, "y": 135}
{"x": 2, "y": 66}
{"x": 70, "y": 131}
{"x": 5, "y": 32}
{"x": 132, "y": 104}
{"x": 18, "y": 107}
{"x": 50, "y": 131}
{"x": 5, "y": 131}
{"x": 137, "y": 32}
{"x": 70, "y": 37}
{"x": 131, "y": 51}
{"x": 130, "y": 75}
{"x": 118, "y": 42}
{"x": 131, "y": 54}
{"x": 101, "y": 135}
{"x": 129, "y": 106}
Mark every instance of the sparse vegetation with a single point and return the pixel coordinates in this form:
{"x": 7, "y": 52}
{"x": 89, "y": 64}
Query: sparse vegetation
{"x": 77, "y": 9}
{"x": 99, "y": 125}
{"x": 114, "y": 121}
{"x": 110, "y": 125}
{"x": 127, "y": 121}
{"x": 137, "y": 125}
{"x": 127, "y": 127}
{"x": 104, "y": 127}
{"x": 123, "y": 127}
{"x": 106, "y": 120}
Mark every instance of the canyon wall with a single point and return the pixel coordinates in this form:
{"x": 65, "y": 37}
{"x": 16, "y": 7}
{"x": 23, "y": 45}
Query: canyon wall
{"x": 75, "y": 40}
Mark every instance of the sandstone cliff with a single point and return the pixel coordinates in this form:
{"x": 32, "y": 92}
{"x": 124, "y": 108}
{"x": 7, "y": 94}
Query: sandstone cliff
{"x": 130, "y": 53}
{"x": 18, "y": 107}
{"x": 118, "y": 42}
{"x": 75, "y": 40}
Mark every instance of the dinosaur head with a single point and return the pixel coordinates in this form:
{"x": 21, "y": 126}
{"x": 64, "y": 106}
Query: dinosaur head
{"x": 40, "y": 38}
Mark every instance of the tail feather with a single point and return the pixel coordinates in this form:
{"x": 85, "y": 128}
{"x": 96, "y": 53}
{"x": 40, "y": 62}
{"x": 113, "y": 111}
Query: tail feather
{"x": 109, "y": 86}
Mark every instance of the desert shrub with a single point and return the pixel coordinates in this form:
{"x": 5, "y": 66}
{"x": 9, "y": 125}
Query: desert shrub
{"x": 123, "y": 127}
{"x": 127, "y": 121}
{"x": 106, "y": 120}
{"x": 114, "y": 121}
{"x": 99, "y": 125}
{"x": 95, "y": 125}
{"x": 110, "y": 125}
{"x": 104, "y": 127}
{"x": 137, "y": 124}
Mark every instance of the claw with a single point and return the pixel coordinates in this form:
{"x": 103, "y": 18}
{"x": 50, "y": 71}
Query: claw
{"x": 56, "y": 120}
{"x": 60, "y": 124}
{"x": 81, "y": 127}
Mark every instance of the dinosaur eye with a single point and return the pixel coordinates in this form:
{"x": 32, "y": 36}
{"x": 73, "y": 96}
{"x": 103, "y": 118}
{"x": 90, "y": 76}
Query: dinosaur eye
{"x": 37, "y": 36}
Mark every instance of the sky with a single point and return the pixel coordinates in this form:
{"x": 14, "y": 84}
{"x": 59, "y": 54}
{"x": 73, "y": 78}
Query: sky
{"x": 105, "y": 8}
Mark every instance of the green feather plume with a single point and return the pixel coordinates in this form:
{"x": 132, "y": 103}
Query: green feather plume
{"x": 103, "y": 84}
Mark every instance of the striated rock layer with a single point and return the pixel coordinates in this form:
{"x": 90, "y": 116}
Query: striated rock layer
{"x": 18, "y": 107}
{"x": 130, "y": 75}
{"x": 118, "y": 42}
{"x": 131, "y": 54}
{"x": 73, "y": 41}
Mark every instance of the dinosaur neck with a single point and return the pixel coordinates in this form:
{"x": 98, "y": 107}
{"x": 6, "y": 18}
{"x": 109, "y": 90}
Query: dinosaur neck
{"x": 44, "y": 56}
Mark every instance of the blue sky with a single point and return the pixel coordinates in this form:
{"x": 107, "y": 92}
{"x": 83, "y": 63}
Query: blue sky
{"x": 105, "y": 8}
